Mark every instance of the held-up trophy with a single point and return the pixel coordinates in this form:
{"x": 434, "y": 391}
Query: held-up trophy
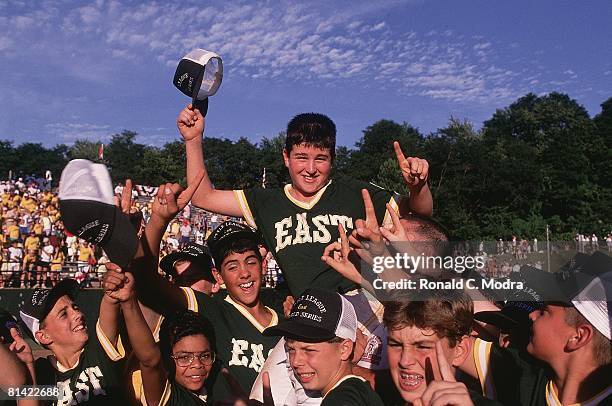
{"x": 199, "y": 75}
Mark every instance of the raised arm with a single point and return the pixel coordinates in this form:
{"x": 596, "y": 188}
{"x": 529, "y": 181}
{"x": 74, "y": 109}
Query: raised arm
{"x": 119, "y": 286}
{"x": 415, "y": 172}
{"x": 190, "y": 123}
{"x": 15, "y": 373}
{"x": 170, "y": 199}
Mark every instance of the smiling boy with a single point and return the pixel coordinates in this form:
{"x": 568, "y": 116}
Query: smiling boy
{"x": 85, "y": 368}
{"x": 320, "y": 335}
{"x": 299, "y": 220}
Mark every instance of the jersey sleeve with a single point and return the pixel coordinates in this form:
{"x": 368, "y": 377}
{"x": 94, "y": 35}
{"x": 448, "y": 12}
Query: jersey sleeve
{"x": 380, "y": 198}
{"x": 352, "y": 392}
{"x": 508, "y": 375}
{"x": 482, "y": 358}
{"x": 201, "y": 303}
{"x": 247, "y": 200}
{"x": 115, "y": 353}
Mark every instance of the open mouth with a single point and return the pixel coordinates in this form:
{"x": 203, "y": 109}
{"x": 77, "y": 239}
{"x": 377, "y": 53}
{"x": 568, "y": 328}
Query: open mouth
{"x": 196, "y": 378}
{"x": 410, "y": 381}
{"x": 80, "y": 327}
{"x": 247, "y": 286}
{"x": 310, "y": 179}
{"x": 305, "y": 377}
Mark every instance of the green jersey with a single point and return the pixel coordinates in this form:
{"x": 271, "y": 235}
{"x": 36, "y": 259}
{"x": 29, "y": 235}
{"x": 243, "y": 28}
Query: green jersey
{"x": 96, "y": 379}
{"x": 297, "y": 233}
{"x": 173, "y": 395}
{"x": 517, "y": 379}
{"x": 176, "y": 395}
{"x": 241, "y": 346}
{"x": 352, "y": 391}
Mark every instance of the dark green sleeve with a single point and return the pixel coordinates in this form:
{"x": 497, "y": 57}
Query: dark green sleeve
{"x": 250, "y": 200}
{"x": 352, "y": 392}
{"x": 380, "y": 197}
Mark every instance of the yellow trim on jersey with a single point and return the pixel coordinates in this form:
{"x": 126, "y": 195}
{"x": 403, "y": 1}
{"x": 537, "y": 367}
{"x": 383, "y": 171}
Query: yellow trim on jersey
{"x": 553, "y": 400}
{"x": 137, "y": 386}
{"x": 482, "y": 358}
{"x": 250, "y": 317}
{"x": 387, "y": 219}
{"x": 157, "y": 328}
{"x": 305, "y": 205}
{"x": 344, "y": 378}
{"x": 244, "y": 207}
{"x": 165, "y": 397}
{"x": 114, "y": 353}
{"x": 192, "y": 303}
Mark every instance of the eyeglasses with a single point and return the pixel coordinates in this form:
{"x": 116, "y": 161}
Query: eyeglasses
{"x": 186, "y": 358}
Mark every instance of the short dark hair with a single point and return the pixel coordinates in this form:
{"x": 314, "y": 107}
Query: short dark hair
{"x": 238, "y": 246}
{"x": 182, "y": 323}
{"x": 312, "y": 129}
{"x": 431, "y": 232}
{"x": 449, "y": 314}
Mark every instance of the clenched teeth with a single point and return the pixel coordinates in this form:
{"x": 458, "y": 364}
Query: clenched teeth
{"x": 247, "y": 285}
{"x": 412, "y": 377}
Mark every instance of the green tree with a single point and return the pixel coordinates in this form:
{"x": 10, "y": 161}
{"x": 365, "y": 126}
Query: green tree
{"x": 376, "y": 146}
{"x": 7, "y": 158}
{"x": 271, "y": 150}
{"x": 540, "y": 149}
{"x": 84, "y": 149}
{"x": 123, "y": 157}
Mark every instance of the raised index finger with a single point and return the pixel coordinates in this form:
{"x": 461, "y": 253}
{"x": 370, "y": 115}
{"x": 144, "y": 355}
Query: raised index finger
{"x": 267, "y": 389}
{"x": 369, "y": 206}
{"x": 344, "y": 244}
{"x": 445, "y": 369}
{"x": 398, "y": 152}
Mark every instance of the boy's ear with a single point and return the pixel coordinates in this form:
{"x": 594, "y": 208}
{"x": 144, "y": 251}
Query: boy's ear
{"x": 286, "y": 157}
{"x": 461, "y": 351}
{"x": 218, "y": 278}
{"x": 582, "y": 336}
{"x": 346, "y": 350}
{"x": 43, "y": 337}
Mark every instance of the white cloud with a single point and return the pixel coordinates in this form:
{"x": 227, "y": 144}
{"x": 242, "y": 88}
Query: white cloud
{"x": 285, "y": 41}
{"x": 70, "y": 132}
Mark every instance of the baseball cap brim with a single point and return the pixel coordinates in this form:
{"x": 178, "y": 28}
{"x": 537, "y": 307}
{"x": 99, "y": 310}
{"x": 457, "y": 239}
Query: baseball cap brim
{"x": 496, "y": 318}
{"x": 167, "y": 265}
{"x": 122, "y": 241}
{"x": 295, "y": 330}
{"x": 201, "y": 105}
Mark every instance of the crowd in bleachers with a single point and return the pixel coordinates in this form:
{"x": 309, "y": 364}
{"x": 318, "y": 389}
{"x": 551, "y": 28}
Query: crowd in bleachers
{"x": 38, "y": 252}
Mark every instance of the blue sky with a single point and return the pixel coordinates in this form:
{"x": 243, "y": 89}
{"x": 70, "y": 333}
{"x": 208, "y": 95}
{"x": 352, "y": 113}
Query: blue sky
{"x": 89, "y": 69}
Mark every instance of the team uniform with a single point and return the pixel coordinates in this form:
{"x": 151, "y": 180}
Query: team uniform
{"x": 96, "y": 379}
{"x": 241, "y": 346}
{"x": 514, "y": 379}
{"x": 352, "y": 391}
{"x": 297, "y": 232}
{"x": 173, "y": 395}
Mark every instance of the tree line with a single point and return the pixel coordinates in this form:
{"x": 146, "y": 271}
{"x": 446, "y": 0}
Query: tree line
{"x": 542, "y": 160}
